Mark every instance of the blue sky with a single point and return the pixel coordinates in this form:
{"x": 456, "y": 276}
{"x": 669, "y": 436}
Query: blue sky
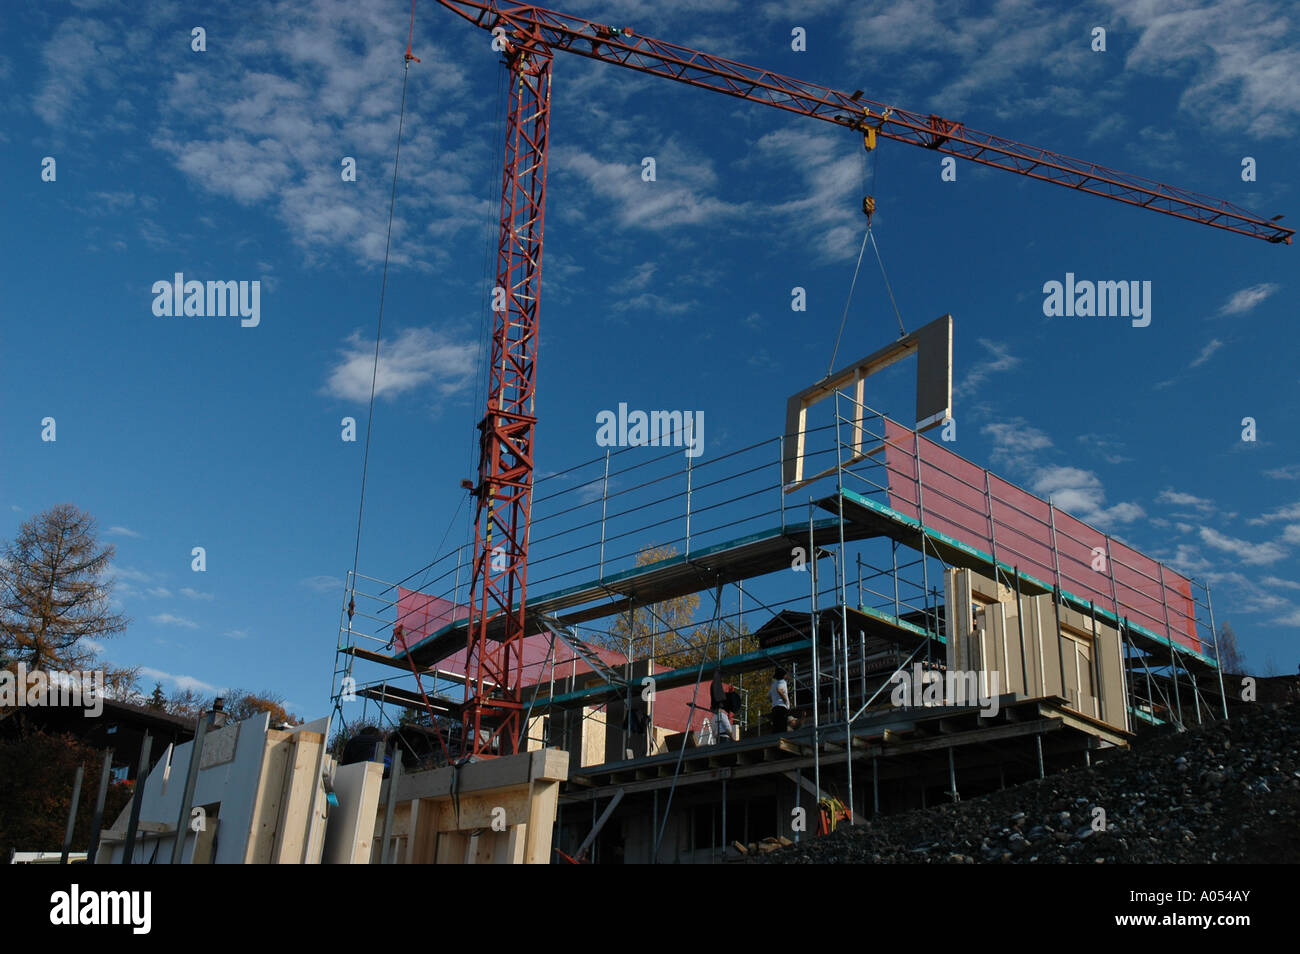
{"x": 225, "y": 165}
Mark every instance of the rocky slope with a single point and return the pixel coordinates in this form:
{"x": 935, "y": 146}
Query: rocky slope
{"x": 1226, "y": 792}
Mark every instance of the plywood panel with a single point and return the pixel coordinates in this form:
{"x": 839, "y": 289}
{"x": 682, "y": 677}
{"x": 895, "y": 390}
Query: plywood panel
{"x": 958, "y": 625}
{"x": 350, "y": 833}
{"x": 1048, "y": 646}
{"x": 296, "y": 808}
{"x": 266, "y": 811}
{"x": 1008, "y": 621}
{"x": 1113, "y": 691}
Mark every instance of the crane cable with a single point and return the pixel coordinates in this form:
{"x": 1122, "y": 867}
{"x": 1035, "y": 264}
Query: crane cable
{"x": 869, "y": 236}
{"x": 844, "y": 317}
{"x": 374, "y": 374}
{"x": 902, "y": 332}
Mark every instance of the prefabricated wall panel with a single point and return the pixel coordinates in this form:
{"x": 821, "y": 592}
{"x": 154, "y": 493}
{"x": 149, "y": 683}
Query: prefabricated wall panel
{"x": 262, "y": 788}
{"x": 962, "y": 500}
{"x": 500, "y": 811}
{"x": 350, "y": 833}
{"x": 987, "y": 632}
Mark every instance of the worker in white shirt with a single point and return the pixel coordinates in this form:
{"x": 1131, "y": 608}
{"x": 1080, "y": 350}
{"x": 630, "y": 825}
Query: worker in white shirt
{"x": 778, "y": 695}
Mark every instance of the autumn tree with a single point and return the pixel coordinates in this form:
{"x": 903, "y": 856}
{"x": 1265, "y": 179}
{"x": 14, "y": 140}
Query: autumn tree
{"x": 244, "y": 705}
{"x": 667, "y": 631}
{"x": 36, "y": 778}
{"x": 659, "y": 629}
{"x": 55, "y": 594}
{"x": 187, "y": 703}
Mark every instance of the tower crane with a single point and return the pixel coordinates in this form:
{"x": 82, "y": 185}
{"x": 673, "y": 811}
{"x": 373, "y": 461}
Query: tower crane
{"x": 528, "y": 38}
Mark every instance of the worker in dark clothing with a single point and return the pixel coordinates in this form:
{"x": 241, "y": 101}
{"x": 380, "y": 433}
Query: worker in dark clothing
{"x": 718, "y": 703}
{"x": 717, "y": 692}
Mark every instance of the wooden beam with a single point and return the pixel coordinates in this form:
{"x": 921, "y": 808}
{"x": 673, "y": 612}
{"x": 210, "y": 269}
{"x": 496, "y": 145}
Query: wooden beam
{"x": 974, "y": 736}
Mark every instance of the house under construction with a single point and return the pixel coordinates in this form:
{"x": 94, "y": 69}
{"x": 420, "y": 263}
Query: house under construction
{"x": 945, "y": 633}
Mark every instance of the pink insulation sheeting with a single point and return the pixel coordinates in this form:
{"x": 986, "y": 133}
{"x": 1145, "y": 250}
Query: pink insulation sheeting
{"x": 971, "y": 505}
{"x": 422, "y": 615}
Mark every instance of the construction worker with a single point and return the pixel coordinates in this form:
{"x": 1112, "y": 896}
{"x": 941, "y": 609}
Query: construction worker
{"x": 778, "y": 695}
{"x": 718, "y": 703}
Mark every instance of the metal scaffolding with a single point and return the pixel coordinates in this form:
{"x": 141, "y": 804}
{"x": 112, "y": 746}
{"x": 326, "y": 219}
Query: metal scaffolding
{"x": 623, "y": 535}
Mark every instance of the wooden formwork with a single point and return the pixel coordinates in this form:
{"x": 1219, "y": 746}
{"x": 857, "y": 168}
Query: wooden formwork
{"x": 499, "y": 811}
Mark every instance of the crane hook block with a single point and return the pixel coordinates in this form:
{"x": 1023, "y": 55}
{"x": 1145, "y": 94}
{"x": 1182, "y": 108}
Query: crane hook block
{"x": 868, "y": 206}
{"x": 869, "y": 138}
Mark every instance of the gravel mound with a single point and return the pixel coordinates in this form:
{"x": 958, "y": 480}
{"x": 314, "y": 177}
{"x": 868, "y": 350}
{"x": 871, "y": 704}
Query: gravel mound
{"x": 1224, "y": 792}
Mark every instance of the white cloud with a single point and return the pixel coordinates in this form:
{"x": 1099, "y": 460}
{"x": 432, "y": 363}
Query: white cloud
{"x": 1259, "y": 601}
{"x": 1291, "y": 533}
{"x": 193, "y": 594}
{"x": 679, "y": 196}
{"x": 975, "y": 59}
{"x": 1289, "y": 512}
{"x": 322, "y": 85}
{"x": 1187, "y": 559}
{"x": 657, "y": 304}
{"x": 1278, "y": 581}
{"x": 1246, "y": 299}
{"x": 999, "y": 359}
{"x": 1206, "y": 353}
{"x": 1079, "y": 493}
{"x": 1016, "y": 444}
{"x": 236, "y": 634}
{"x": 1178, "y": 499}
{"x": 1238, "y": 56}
{"x": 1123, "y": 512}
{"x": 159, "y": 592}
{"x": 1290, "y": 619}
{"x": 167, "y": 619}
{"x": 1289, "y": 472}
{"x": 92, "y": 44}
{"x": 180, "y": 682}
{"x": 1252, "y": 554}
{"x": 1105, "y": 447}
{"x": 122, "y": 532}
{"x": 826, "y": 216}
{"x": 323, "y": 584}
{"x": 417, "y": 358}
{"x": 639, "y": 278}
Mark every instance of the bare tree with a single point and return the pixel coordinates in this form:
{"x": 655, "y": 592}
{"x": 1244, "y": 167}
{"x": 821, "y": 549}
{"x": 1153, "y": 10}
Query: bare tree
{"x": 1231, "y": 658}
{"x": 187, "y": 703}
{"x": 54, "y": 593}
